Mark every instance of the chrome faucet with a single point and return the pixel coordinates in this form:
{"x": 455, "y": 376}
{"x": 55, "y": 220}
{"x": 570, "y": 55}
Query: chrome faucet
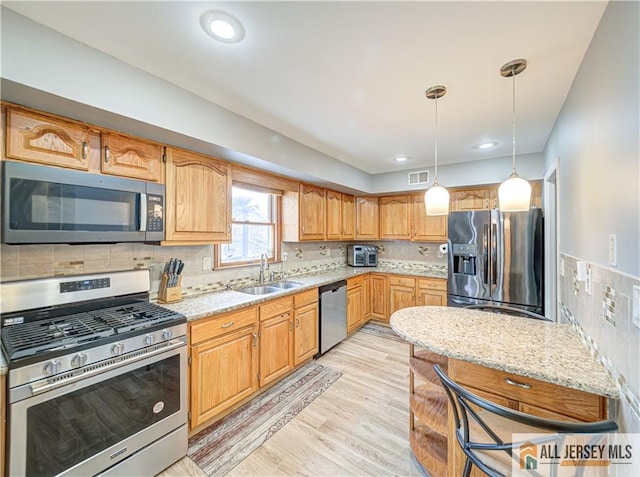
{"x": 264, "y": 265}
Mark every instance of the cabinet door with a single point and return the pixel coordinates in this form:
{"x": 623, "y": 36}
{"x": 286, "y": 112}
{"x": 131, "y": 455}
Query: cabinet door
{"x": 131, "y": 157}
{"x": 367, "y": 218}
{"x": 395, "y": 217}
{"x": 427, "y": 228}
{"x": 354, "y": 308}
{"x": 276, "y": 357}
{"x": 43, "y": 139}
{"x": 472, "y": 199}
{"x": 224, "y": 371}
{"x": 312, "y": 212}
{"x": 305, "y": 335}
{"x": 198, "y": 196}
{"x": 348, "y": 217}
{"x": 334, "y": 215}
{"x": 379, "y": 294}
{"x": 366, "y": 298}
{"x": 428, "y": 297}
{"x": 401, "y": 297}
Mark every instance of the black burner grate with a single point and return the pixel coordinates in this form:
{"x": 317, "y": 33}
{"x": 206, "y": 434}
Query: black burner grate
{"x": 134, "y": 316}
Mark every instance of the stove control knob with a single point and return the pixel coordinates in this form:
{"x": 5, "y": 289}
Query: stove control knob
{"x": 167, "y": 334}
{"x": 52, "y": 367}
{"x": 79, "y": 359}
{"x": 148, "y": 340}
{"x": 117, "y": 349}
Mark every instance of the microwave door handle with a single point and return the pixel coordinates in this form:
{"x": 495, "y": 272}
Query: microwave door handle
{"x": 143, "y": 212}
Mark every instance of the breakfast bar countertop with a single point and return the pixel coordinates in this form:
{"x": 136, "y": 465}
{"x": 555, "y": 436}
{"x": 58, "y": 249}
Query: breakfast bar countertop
{"x": 537, "y": 349}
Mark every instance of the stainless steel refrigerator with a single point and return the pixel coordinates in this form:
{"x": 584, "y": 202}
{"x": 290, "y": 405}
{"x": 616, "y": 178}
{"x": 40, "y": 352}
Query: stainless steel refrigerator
{"x": 496, "y": 257}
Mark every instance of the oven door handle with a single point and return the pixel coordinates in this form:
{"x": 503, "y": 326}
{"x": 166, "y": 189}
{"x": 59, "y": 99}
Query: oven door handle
{"x": 42, "y": 388}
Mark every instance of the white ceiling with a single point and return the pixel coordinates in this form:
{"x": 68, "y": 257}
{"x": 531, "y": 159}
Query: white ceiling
{"x": 348, "y": 78}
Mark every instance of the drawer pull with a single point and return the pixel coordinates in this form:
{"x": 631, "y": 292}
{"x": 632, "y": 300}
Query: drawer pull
{"x": 515, "y": 383}
{"x": 227, "y": 325}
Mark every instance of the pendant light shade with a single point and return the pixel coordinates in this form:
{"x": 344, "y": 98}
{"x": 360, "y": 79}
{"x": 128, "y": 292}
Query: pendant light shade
{"x": 514, "y": 194}
{"x": 436, "y": 199}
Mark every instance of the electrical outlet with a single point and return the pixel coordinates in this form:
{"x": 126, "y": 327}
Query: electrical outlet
{"x": 285, "y": 256}
{"x": 635, "y": 307}
{"x": 613, "y": 250}
{"x": 562, "y": 272}
{"x": 206, "y": 263}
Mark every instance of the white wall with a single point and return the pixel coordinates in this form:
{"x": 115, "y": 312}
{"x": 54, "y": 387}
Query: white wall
{"x": 596, "y": 137}
{"x": 39, "y": 58}
{"x": 488, "y": 171}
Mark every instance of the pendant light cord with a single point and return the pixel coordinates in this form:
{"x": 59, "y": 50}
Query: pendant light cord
{"x": 513, "y": 162}
{"x": 436, "y": 143}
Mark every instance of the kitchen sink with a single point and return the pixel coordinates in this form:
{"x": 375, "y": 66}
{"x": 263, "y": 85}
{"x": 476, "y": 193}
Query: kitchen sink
{"x": 285, "y": 285}
{"x": 260, "y": 290}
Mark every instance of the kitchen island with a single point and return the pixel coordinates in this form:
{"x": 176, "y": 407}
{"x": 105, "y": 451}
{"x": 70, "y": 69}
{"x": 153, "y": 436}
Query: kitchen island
{"x": 534, "y": 366}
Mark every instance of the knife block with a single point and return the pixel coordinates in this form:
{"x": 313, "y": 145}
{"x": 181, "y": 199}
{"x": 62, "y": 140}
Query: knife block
{"x": 169, "y": 294}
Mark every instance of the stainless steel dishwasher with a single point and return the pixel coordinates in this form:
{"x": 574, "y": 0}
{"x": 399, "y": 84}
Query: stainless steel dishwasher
{"x": 333, "y": 314}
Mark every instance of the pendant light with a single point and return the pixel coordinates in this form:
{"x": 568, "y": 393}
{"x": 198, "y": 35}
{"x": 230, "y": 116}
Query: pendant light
{"x": 514, "y": 194}
{"x": 436, "y": 199}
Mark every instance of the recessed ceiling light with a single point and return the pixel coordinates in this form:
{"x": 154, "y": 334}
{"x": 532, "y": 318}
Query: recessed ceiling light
{"x": 222, "y": 26}
{"x": 487, "y": 145}
{"x": 400, "y": 159}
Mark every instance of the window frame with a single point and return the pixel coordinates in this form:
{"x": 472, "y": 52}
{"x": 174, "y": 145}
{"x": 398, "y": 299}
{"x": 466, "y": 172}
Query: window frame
{"x": 276, "y": 224}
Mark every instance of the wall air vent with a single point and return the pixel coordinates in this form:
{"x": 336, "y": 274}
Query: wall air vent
{"x": 420, "y": 177}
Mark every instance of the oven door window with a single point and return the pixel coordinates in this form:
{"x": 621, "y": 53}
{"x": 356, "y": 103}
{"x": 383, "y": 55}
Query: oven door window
{"x": 69, "y": 429}
{"x": 38, "y": 205}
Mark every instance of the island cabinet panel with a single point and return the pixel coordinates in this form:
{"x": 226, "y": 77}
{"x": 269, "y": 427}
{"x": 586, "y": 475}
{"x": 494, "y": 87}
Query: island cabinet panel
{"x": 348, "y": 217}
{"x": 426, "y": 228}
{"x": 44, "y": 139}
{"x": 198, "y": 198}
{"x": 395, "y": 217}
{"x": 367, "y": 218}
{"x": 224, "y": 363}
{"x": 131, "y": 157}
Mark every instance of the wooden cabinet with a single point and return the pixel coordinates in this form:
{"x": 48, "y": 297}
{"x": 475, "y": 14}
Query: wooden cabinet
{"x": 304, "y": 214}
{"x": 379, "y": 294}
{"x": 427, "y": 228}
{"x": 224, "y": 363}
{"x": 334, "y": 215}
{"x": 367, "y": 218}
{"x": 395, "y": 217}
{"x": 402, "y": 293}
{"x": 431, "y": 292}
{"x": 521, "y": 393}
{"x": 131, "y": 157}
{"x": 348, "y": 217}
{"x": 3, "y": 421}
{"x": 366, "y": 298}
{"x": 198, "y": 198}
{"x": 306, "y": 318}
{"x": 45, "y": 139}
{"x": 477, "y": 198}
{"x": 354, "y": 303}
{"x": 276, "y": 339}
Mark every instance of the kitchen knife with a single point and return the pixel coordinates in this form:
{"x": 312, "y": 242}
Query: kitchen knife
{"x": 172, "y": 270}
{"x": 179, "y": 271}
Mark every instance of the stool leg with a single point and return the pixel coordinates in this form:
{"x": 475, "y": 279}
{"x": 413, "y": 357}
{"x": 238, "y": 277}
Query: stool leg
{"x": 467, "y": 468}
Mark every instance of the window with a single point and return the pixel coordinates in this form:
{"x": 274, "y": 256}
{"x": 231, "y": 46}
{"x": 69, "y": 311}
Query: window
{"x": 254, "y": 228}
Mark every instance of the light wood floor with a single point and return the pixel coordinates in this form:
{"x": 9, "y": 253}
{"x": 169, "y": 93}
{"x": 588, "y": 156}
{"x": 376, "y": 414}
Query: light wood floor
{"x": 358, "y": 426}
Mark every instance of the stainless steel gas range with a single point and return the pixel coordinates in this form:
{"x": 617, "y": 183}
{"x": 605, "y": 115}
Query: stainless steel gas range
{"x": 97, "y": 376}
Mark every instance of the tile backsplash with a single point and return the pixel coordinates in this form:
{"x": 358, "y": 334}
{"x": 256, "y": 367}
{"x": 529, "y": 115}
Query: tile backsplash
{"x": 603, "y": 318}
{"x": 39, "y": 261}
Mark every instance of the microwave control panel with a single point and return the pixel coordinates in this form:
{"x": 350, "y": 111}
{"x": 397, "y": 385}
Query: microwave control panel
{"x": 155, "y": 213}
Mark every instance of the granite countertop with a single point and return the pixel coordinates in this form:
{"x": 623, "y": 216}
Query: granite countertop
{"x": 208, "y": 304}
{"x": 542, "y": 350}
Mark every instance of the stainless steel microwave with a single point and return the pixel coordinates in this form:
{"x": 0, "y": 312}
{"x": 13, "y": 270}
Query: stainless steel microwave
{"x": 43, "y": 204}
{"x": 362, "y": 256}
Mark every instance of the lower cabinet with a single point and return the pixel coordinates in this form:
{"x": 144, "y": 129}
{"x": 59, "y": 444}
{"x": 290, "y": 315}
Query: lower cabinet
{"x": 409, "y": 291}
{"x": 379, "y": 299}
{"x": 354, "y": 303}
{"x": 366, "y": 298}
{"x": 305, "y": 333}
{"x": 276, "y": 339}
{"x": 431, "y": 292}
{"x": 224, "y": 363}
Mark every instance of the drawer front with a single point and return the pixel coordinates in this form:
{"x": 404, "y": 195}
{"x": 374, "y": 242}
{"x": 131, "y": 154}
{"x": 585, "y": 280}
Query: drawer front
{"x": 395, "y": 280}
{"x": 558, "y": 399}
{"x": 354, "y": 282}
{"x": 276, "y": 307}
{"x": 208, "y": 328}
{"x": 432, "y": 284}
{"x": 305, "y": 298}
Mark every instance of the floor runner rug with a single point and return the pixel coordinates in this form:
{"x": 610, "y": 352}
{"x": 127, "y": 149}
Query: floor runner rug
{"x": 220, "y": 447}
{"x": 382, "y": 331}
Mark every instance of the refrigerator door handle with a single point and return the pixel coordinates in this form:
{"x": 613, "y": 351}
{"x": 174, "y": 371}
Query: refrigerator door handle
{"x": 494, "y": 254}
{"x": 485, "y": 254}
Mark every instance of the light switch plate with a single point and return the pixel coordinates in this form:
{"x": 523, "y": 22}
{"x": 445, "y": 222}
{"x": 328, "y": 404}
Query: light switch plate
{"x": 206, "y": 263}
{"x": 635, "y": 307}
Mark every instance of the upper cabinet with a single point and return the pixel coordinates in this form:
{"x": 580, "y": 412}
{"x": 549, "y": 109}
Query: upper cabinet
{"x": 395, "y": 217}
{"x": 34, "y": 137}
{"x": 131, "y": 157}
{"x": 303, "y": 214}
{"x": 340, "y": 211}
{"x": 198, "y": 198}
{"x": 348, "y": 217}
{"x": 367, "y": 218}
{"x": 427, "y": 228}
{"x": 484, "y": 198}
